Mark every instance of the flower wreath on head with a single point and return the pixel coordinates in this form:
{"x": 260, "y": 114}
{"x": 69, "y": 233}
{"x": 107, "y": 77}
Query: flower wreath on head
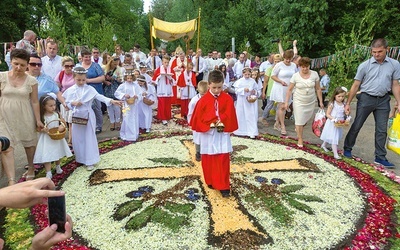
{"x": 79, "y": 70}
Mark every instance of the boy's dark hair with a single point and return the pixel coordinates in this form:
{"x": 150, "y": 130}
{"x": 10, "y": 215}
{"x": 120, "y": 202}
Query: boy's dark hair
{"x": 215, "y": 76}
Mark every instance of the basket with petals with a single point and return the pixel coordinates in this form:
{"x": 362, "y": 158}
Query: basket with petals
{"x": 342, "y": 123}
{"x": 130, "y": 101}
{"x": 54, "y": 133}
{"x": 251, "y": 98}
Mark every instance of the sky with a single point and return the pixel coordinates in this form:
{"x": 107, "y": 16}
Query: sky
{"x": 146, "y": 5}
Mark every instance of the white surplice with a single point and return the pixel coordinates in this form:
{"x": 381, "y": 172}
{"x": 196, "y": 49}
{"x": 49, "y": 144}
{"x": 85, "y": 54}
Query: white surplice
{"x": 84, "y": 139}
{"x": 247, "y": 113}
{"x": 130, "y": 122}
{"x": 146, "y": 111}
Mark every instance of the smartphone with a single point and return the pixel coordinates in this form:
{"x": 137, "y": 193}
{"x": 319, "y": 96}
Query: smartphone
{"x": 57, "y": 213}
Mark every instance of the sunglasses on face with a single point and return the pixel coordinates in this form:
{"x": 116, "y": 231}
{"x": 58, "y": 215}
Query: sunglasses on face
{"x": 35, "y": 64}
{"x": 116, "y": 59}
{"x": 68, "y": 66}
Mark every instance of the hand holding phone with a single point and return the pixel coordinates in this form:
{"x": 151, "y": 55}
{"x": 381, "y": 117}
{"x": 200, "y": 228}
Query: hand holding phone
{"x": 57, "y": 212}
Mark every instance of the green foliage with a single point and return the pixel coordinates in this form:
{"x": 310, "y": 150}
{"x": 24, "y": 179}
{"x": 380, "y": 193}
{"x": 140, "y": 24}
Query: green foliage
{"x": 291, "y": 188}
{"x": 344, "y": 66}
{"x": 18, "y": 230}
{"x": 127, "y": 208}
{"x": 240, "y": 159}
{"x": 273, "y": 205}
{"x": 309, "y": 198}
{"x": 168, "y": 161}
{"x": 171, "y": 215}
{"x": 298, "y": 205}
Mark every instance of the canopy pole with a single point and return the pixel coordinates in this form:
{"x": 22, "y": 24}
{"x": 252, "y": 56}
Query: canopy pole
{"x": 151, "y": 29}
{"x": 198, "y": 31}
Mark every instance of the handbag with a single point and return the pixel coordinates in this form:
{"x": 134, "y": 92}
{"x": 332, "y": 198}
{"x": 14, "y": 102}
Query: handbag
{"x": 319, "y": 122}
{"x": 80, "y": 117}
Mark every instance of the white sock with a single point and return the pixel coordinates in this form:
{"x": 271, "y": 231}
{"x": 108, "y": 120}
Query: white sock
{"x": 49, "y": 174}
{"x": 334, "y": 150}
{"x": 58, "y": 169}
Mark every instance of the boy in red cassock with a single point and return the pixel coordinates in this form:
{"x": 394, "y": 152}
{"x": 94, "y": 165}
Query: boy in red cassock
{"x": 214, "y": 118}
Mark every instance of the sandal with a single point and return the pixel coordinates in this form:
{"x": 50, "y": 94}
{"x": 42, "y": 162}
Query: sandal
{"x": 283, "y": 132}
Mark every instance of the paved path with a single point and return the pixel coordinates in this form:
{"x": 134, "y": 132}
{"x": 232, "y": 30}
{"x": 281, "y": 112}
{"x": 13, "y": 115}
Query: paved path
{"x": 364, "y": 146}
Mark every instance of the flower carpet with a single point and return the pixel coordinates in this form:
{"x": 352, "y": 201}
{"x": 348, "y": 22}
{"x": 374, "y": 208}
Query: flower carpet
{"x": 150, "y": 195}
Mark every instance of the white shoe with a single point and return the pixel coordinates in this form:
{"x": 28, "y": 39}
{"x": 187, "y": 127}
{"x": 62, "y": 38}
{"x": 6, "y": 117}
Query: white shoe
{"x": 324, "y": 148}
{"x": 337, "y": 157}
{"x": 49, "y": 175}
{"x": 59, "y": 170}
{"x": 148, "y": 130}
{"x": 89, "y": 168}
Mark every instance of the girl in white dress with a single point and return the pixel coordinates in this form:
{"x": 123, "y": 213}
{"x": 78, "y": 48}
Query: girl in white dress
{"x": 131, "y": 94}
{"x": 330, "y": 133}
{"x": 145, "y": 110}
{"x": 79, "y": 99}
{"x": 47, "y": 149}
{"x": 247, "y": 112}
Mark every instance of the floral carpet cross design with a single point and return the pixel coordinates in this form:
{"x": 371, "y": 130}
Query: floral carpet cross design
{"x": 239, "y": 225}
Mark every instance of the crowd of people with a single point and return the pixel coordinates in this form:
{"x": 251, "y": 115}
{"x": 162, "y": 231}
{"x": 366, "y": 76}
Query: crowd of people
{"x": 217, "y": 96}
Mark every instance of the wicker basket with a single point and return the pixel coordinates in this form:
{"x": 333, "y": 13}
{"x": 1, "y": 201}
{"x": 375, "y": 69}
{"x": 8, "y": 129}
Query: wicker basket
{"x": 340, "y": 125}
{"x": 251, "y": 98}
{"x": 54, "y": 133}
{"x": 147, "y": 101}
{"x": 130, "y": 101}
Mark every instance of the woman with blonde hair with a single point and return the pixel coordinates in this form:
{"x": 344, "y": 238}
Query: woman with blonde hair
{"x": 113, "y": 78}
{"x": 281, "y": 75}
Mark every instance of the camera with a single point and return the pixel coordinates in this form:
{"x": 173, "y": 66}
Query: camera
{"x": 275, "y": 40}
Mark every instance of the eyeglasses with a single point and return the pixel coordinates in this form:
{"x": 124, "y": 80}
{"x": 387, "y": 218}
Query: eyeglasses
{"x": 116, "y": 59}
{"x": 69, "y": 66}
{"x": 35, "y": 64}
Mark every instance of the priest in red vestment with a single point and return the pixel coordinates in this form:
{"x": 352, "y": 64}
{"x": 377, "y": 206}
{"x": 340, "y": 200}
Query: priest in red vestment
{"x": 214, "y": 118}
{"x": 178, "y": 66}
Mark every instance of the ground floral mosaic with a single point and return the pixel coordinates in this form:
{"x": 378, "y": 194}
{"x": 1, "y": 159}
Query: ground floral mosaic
{"x": 150, "y": 194}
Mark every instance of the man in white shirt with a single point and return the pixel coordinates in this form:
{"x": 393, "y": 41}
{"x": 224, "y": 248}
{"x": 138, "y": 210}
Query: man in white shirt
{"x": 199, "y": 65}
{"x": 153, "y": 61}
{"x": 138, "y": 56}
{"x": 240, "y": 65}
{"x": 96, "y": 56}
{"x": 51, "y": 62}
{"x": 214, "y": 61}
{"x": 266, "y": 64}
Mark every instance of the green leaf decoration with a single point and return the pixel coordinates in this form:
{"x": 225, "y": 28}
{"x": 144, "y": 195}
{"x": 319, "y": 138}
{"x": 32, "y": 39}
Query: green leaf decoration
{"x": 309, "y": 198}
{"x": 273, "y": 205}
{"x": 125, "y": 209}
{"x": 291, "y": 188}
{"x": 171, "y": 221}
{"x": 168, "y": 161}
{"x": 140, "y": 220}
{"x": 185, "y": 209}
{"x": 298, "y": 205}
{"x": 241, "y": 159}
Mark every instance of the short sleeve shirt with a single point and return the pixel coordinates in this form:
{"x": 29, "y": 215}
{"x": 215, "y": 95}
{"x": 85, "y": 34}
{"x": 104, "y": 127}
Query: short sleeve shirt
{"x": 46, "y": 85}
{"x": 94, "y": 71}
{"x": 376, "y": 78}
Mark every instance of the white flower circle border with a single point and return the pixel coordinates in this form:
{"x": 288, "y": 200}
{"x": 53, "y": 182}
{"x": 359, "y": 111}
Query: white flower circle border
{"x": 332, "y": 224}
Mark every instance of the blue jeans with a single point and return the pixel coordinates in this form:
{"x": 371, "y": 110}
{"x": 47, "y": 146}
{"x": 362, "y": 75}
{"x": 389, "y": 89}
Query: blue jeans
{"x": 380, "y": 107}
{"x": 96, "y": 106}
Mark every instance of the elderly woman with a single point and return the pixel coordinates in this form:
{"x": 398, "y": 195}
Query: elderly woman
{"x": 306, "y": 89}
{"x": 281, "y": 75}
{"x": 19, "y": 112}
{"x": 65, "y": 80}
